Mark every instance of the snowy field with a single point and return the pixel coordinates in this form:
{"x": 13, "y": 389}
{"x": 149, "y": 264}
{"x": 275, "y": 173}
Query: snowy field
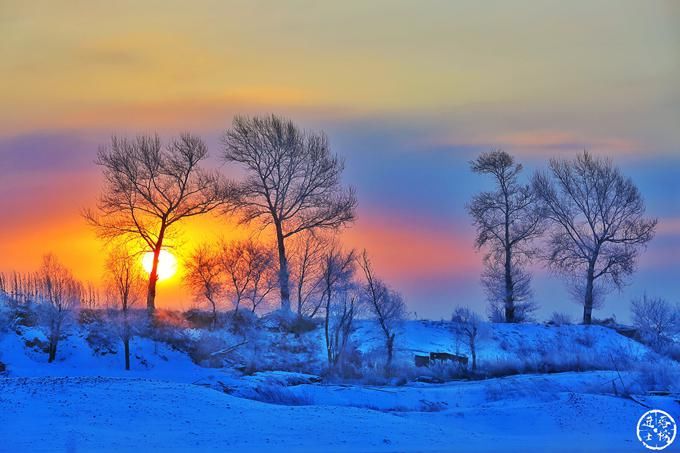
{"x": 86, "y": 402}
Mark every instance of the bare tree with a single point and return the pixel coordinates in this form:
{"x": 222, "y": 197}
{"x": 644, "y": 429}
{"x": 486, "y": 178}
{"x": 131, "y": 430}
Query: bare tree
{"x": 59, "y": 294}
{"x": 306, "y": 262}
{"x": 507, "y": 221}
{"x": 597, "y": 222}
{"x": 657, "y": 319}
{"x": 386, "y": 305}
{"x": 292, "y": 183}
{"x": 248, "y": 272}
{"x": 344, "y": 309}
{"x": 150, "y": 188}
{"x": 125, "y": 282}
{"x": 263, "y": 279}
{"x": 336, "y": 278}
{"x": 204, "y": 275}
{"x": 467, "y": 323}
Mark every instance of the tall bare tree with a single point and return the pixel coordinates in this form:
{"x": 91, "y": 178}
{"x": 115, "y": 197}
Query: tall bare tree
{"x": 204, "y": 275}
{"x": 597, "y": 222}
{"x": 149, "y": 188}
{"x": 59, "y": 294}
{"x": 293, "y": 182}
{"x": 386, "y": 305}
{"x": 507, "y": 221}
{"x": 124, "y": 278}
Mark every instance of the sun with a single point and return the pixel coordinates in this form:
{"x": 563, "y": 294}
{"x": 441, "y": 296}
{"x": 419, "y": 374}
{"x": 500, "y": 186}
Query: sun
{"x": 167, "y": 264}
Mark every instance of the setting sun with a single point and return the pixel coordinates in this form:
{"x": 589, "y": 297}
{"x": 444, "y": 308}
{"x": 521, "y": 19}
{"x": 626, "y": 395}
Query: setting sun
{"x": 167, "y": 264}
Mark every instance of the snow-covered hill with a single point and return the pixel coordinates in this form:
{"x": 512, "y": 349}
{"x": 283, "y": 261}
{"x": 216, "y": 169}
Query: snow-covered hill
{"x": 85, "y": 401}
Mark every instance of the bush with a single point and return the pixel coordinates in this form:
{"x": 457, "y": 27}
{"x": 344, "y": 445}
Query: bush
{"x": 560, "y": 319}
{"x": 658, "y": 376}
{"x": 277, "y": 394}
{"x": 101, "y": 338}
{"x": 200, "y": 319}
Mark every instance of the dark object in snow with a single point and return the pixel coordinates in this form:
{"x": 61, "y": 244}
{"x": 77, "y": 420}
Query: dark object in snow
{"x": 3, "y": 368}
{"x": 422, "y": 360}
{"x": 429, "y": 380}
{"x": 444, "y": 356}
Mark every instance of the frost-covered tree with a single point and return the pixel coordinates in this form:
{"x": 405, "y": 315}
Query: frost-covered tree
{"x": 125, "y": 285}
{"x": 59, "y": 295}
{"x": 386, "y": 305}
{"x": 150, "y": 188}
{"x": 292, "y": 183}
{"x": 657, "y": 319}
{"x": 336, "y": 280}
{"x": 467, "y": 324}
{"x": 507, "y": 221}
{"x": 597, "y": 223}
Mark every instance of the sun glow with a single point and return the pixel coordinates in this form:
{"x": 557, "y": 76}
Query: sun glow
{"x": 167, "y": 264}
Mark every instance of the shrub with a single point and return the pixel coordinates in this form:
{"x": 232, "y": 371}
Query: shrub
{"x": 658, "y": 375}
{"x": 560, "y": 319}
{"x": 278, "y": 394}
{"x": 586, "y": 339}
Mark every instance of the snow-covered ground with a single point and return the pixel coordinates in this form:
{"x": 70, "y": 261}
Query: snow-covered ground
{"x": 87, "y": 402}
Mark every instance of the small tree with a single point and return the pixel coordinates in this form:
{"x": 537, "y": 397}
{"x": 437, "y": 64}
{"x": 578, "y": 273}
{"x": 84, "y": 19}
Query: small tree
{"x": 126, "y": 287}
{"x": 657, "y": 319}
{"x": 59, "y": 295}
{"x": 466, "y": 324}
{"x": 344, "y": 310}
{"x": 336, "y": 278}
{"x": 204, "y": 276}
{"x": 148, "y": 189}
{"x": 387, "y": 307}
{"x": 248, "y": 269}
{"x": 597, "y": 223}
{"x": 507, "y": 221}
{"x": 292, "y": 183}
{"x": 306, "y": 272}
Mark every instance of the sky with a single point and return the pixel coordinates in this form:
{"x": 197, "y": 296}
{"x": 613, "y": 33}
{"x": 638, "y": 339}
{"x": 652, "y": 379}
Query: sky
{"x": 408, "y": 93}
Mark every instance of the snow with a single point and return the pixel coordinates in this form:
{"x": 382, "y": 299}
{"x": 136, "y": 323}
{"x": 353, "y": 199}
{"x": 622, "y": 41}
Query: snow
{"x": 86, "y": 402}
{"x": 135, "y": 414}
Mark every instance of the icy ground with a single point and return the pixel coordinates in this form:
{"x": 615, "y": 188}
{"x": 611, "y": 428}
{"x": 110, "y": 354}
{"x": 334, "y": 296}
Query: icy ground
{"x": 86, "y": 402}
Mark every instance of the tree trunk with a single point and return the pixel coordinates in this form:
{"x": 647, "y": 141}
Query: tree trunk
{"x": 126, "y": 341}
{"x": 390, "y": 350}
{"x": 54, "y": 340}
{"x": 283, "y": 270}
{"x": 153, "y": 278}
{"x": 153, "y": 275}
{"x": 589, "y": 300}
{"x": 52, "y": 351}
{"x": 509, "y": 296}
{"x": 473, "y": 353}
{"x": 326, "y": 323}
